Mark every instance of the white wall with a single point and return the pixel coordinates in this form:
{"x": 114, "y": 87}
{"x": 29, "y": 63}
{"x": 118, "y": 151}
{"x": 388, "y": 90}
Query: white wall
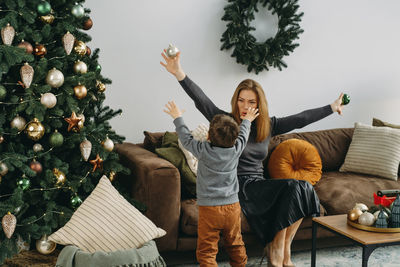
{"x": 350, "y": 46}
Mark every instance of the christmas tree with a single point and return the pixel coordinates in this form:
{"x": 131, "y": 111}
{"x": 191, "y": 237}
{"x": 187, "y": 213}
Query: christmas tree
{"x": 55, "y": 138}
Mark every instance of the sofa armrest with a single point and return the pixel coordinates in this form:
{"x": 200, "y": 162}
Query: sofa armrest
{"x": 156, "y": 183}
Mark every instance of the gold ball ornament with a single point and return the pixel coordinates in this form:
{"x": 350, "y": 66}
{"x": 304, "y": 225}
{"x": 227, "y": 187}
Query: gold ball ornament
{"x": 80, "y": 48}
{"x": 47, "y": 18}
{"x": 9, "y": 222}
{"x": 55, "y": 78}
{"x": 101, "y": 87}
{"x": 34, "y": 130}
{"x": 108, "y": 144}
{"x": 80, "y": 67}
{"x": 27, "y": 46}
{"x": 45, "y": 246}
{"x": 49, "y": 100}
{"x": 3, "y": 169}
{"x": 353, "y": 214}
{"x": 60, "y": 176}
{"x": 40, "y": 50}
{"x": 81, "y": 122}
{"x": 1, "y": 139}
{"x": 80, "y": 91}
{"x": 18, "y": 122}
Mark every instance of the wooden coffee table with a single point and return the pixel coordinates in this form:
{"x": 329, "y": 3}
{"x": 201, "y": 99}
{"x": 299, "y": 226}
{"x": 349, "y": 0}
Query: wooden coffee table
{"x": 369, "y": 241}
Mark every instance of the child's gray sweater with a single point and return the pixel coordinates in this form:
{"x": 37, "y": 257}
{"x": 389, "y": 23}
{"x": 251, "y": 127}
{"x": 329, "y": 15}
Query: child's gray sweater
{"x": 217, "y": 182}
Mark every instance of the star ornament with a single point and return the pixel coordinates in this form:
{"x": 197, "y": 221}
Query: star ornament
{"x": 97, "y": 163}
{"x": 73, "y": 122}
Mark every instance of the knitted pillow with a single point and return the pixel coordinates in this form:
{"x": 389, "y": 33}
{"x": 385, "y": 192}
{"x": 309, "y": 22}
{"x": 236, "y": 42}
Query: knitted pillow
{"x": 105, "y": 221}
{"x": 199, "y": 134}
{"x": 296, "y": 159}
{"x": 374, "y": 151}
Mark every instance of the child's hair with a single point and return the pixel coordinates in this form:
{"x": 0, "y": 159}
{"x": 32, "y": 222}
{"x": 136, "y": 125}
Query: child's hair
{"x": 223, "y": 131}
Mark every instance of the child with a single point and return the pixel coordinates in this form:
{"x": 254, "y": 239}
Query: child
{"x": 217, "y": 185}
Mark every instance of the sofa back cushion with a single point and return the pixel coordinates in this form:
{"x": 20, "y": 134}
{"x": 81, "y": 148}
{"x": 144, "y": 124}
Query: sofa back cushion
{"x": 332, "y": 145}
{"x": 152, "y": 140}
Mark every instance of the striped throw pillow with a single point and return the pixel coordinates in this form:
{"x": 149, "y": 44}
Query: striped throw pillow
{"x": 107, "y": 222}
{"x": 373, "y": 150}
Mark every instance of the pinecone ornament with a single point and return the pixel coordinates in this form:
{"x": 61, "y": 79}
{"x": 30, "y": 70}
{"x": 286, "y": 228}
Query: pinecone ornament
{"x": 396, "y": 213}
{"x": 9, "y": 222}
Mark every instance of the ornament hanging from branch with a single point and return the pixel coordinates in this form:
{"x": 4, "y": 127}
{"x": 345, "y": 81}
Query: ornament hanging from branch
{"x": 26, "y": 73}
{"x": 9, "y": 222}
{"x": 86, "y": 148}
{"x": 68, "y": 42}
{"x": 7, "y": 34}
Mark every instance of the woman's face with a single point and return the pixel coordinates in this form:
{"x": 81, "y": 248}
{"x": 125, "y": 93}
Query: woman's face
{"x": 247, "y": 99}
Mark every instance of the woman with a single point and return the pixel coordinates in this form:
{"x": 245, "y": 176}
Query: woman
{"x": 274, "y": 208}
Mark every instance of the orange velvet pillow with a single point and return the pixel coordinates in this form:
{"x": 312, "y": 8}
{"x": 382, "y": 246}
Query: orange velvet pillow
{"x": 296, "y": 159}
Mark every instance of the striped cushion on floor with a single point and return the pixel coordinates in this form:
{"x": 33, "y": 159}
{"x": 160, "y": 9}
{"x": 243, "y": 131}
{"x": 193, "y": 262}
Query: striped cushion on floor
{"x": 105, "y": 221}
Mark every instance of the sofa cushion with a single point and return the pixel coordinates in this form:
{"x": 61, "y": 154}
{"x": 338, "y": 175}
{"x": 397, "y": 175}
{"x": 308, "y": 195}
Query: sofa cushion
{"x": 152, "y": 140}
{"x": 374, "y": 151}
{"x": 331, "y": 144}
{"x": 107, "y": 222}
{"x": 170, "y": 151}
{"x": 339, "y": 191}
{"x": 295, "y": 159}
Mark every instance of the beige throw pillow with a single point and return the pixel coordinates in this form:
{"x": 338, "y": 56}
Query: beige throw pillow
{"x": 105, "y": 221}
{"x": 374, "y": 151}
{"x": 200, "y": 134}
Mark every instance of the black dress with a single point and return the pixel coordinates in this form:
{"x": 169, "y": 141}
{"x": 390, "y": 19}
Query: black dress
{"x": 269, "y": 205}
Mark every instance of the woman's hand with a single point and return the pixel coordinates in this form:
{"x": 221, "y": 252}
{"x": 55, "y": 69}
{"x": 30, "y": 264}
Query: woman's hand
{"x": 173, "y": 65}
{"x": 337, "y": 106}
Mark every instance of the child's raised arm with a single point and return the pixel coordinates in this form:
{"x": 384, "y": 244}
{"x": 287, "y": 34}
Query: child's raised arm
{"x": 173, "y": 110}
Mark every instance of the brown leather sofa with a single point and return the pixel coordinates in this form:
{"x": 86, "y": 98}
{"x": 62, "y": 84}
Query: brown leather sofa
{"x": 157, "y": 183}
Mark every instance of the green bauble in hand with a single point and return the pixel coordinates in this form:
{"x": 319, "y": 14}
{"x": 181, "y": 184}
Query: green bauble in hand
{"x": 56, "y": 139}
{"x": 345, "y": 99}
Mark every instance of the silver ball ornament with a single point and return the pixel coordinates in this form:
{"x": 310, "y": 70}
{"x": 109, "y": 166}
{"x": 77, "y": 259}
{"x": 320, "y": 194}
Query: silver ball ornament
{"x": 19, "y": 123}
{"x": 45, "y": 246}
{"x": 37, "y": 147}
{"x": 172, "y": 50}
{"x": 80, "y": 67}
{"x": 108, "y": 144}
{"x": 78, "y": 11}
{"x": 55, "y": 78}
{"x": 366, "y": 218}
{"x": 48, "y": 100}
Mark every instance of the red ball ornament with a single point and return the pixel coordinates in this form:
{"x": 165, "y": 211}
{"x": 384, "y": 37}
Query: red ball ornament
{"x": 28, "y": 47}
{"x": 87, "y": 25}
{"x": 36, "y": 166}
{"x": 40, "y": 50}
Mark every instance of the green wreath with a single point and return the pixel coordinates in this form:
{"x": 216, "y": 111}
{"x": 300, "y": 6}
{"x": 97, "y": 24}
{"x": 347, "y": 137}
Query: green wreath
{"x": 259, "y": 56}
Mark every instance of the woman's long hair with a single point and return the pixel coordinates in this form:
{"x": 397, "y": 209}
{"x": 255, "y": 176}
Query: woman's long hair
{"x": 263, "y": 120}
